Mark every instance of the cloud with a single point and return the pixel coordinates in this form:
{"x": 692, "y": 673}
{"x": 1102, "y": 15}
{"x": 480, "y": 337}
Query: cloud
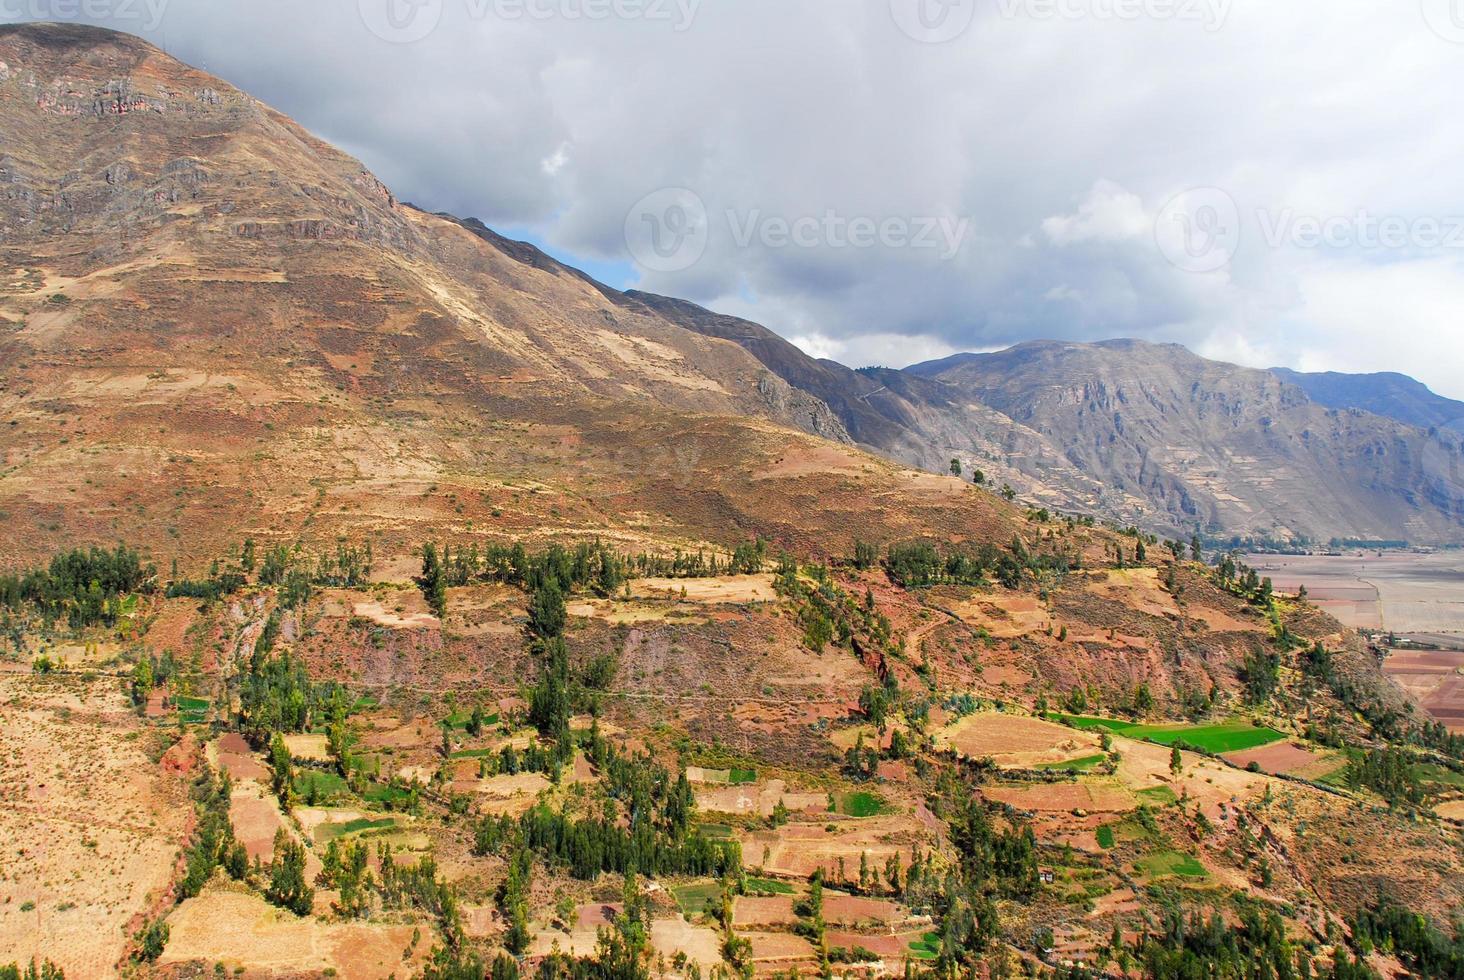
{"x": 1057, "y": 138}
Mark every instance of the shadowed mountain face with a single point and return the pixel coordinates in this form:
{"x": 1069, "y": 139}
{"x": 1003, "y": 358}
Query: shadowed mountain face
{"x": 1137, "y": 432}
{"x": 1394, "y": 396}
{"x": 212, "y": 324}
{"x": 1219, "y": 446}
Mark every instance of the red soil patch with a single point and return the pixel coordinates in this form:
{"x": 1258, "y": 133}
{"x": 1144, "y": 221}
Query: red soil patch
{"x": 851, "y": 910}
{"x": 774, "y": 911}
{"x": 1277, "y": 759}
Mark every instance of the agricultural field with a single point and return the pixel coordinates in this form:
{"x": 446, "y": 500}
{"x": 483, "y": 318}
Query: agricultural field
{"x": 93, "y": 810}
{"x": 1234, "y": 736}
{"x": 1399, "y": 591}
{"x": 1019, "y": 741}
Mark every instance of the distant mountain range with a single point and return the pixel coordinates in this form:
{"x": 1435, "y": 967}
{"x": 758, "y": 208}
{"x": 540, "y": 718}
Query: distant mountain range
{"x": 1395, "y": 396}
{"x": 1151, "y": 434}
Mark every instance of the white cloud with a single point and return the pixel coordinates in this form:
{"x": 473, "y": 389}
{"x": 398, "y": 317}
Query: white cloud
{"x": 1108, "y": 214}
{"x": 1057, "y": 138}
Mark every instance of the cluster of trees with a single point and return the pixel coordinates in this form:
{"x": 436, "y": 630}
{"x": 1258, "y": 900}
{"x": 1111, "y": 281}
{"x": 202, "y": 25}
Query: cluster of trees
{"x": 828, "y": 614}
{"x": 1413, "y": 938}
{"x": 921, "y": 564}
{"x": 1240, "y": 579}
{"x": 213, "y": 844}
{"x": 1194, "y": 946}
{"x": 590, "y": 565}
{"x": 1388, "y": 771}
{"x": 83, "y": 586}
{"x": 44, "y": 971}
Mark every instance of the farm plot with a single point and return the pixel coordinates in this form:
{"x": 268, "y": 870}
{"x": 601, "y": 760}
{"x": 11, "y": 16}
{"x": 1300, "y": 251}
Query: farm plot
{"x": 239, "y": 929}
{"x": 89, "y": 824}
{"x": 1015, "y": 741}
{"x": 796, "y": 850}
{"x": 757, "y": 800}
{"x": 1106, "y": 797}
{"x": 1231, "y": 736}
{"x": 1285, "y": 759}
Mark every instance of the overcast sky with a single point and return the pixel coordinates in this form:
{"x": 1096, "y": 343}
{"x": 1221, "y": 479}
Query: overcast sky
{"x": 884, "y": 181}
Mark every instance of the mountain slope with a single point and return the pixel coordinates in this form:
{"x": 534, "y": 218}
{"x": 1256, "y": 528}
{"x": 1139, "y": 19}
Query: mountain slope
{"x": 1218, "y": 446}
{"x": 1394, "y": 396}
{"x": 214, "y": 324}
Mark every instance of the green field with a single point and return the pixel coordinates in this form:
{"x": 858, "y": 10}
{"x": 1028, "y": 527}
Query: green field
{"x": 767, "y": 886}
{"x": 715, "y": 831}
{"x": 386, "y": 794}
{"x": 1172, "y": 863}
{"x": 329, "y": 831}
{"x": 1230, "y": 736}
{"x": 474, "y": 754}
{"x": 861, "y": 804}
{"x": 742, "y": 777}
{"x": 459, "y": 720}
{"x": 1076, "y": 765}
{"x": 927, "y": 947}
{"x": 1162, "y": 795}
{"x": 693, "y": 898}
{"x": 1105, "y": 837}
{"x": 327, "y": 784}
{"x": 1429, "y": 772}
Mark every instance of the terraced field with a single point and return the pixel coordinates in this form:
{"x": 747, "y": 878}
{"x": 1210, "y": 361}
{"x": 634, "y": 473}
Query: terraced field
{"x": 1231, "y": 736}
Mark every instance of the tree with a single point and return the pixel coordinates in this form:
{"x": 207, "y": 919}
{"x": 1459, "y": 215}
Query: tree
{"x": 955, "y": 468}
{"x": 1197, "y": 552}
{"x": 282, "y": 769}
{"x": 1176, "y": 760}
{"x": 287, "y": 887}
{"x": 433, "y": 582}
{"x": 875, "y": 703}
{"x": 547, "y": 614}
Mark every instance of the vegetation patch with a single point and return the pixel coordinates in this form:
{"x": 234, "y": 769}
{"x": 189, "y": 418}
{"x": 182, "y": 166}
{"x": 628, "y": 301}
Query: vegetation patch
{"x": 927, "y": 947}
{"x": 1105, "y": 837}
{"x": 1075, "y": 765}
{"x": 693, "y": 898}
{"x": 861, "y": 804}
{"x": 1172, "y": 863}
{"x": 1162, "y": 795}
{"x": 767, "y": 886}
{"x": 1230, "y": 736}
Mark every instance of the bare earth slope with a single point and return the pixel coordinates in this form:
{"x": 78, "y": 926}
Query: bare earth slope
{"x": 212, "y": 321}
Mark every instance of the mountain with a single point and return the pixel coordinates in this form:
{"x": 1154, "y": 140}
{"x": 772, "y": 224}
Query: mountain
{"x": 1394, "y": 396}
{"x": 569, "y": 728}
{"x": 214, "y": 322}
{"x": 1224, "y": 448}
{"x": 1141, "y": 433}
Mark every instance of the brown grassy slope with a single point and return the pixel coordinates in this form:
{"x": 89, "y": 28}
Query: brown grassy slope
{"x": 214, "y": 324}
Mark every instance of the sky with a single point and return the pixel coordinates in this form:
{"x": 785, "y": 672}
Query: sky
{"x": 888, "y": 181}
